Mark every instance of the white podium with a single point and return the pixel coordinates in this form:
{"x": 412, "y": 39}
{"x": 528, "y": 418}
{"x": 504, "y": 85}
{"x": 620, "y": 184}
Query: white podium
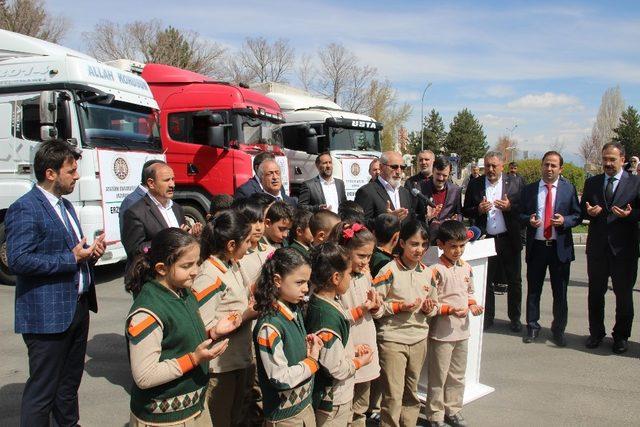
{"x": 476, "y": 254}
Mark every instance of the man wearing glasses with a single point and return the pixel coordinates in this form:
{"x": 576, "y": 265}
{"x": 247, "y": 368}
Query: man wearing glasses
{"x": 386, "y": 194}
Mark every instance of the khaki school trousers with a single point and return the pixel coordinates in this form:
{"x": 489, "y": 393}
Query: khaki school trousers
{"x": 447, "y": 366}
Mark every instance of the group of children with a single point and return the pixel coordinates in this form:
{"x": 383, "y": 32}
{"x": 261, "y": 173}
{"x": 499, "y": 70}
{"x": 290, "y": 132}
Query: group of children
{"x": 292, "y": 318}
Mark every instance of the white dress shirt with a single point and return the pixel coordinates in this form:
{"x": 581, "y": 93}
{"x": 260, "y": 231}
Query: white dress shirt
{"x": 495, "y": 219}
{"x": 542, "y": 203}
{"x": 394, "y": 193}
{"x": 330, "y": 193}
{"x": 76, "y": 227}
{"x": 167, "y": 212}
{"x": 616, "y": 181}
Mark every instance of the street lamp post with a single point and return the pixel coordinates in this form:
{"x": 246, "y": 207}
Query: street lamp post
{"x": 422, "y": 117}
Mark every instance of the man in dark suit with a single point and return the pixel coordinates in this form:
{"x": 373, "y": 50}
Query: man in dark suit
{"x": 610, "y": 203}
{"x": 493, "y": 202}
{"x": 550, "y": 210}
{"x": 253, "y": 185}
{"x": 324, "y": 191}
{"x": 386, "y": 194}
{"x": 137, "y": 194}
{"x": 425, "y": 164}
{"x": 445, "y": 194}
{"x": 153, "y": 213}
{"x": 47, "y": 251}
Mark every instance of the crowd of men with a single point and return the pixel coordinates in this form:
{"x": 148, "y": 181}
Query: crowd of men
{"x": 57, "y": 265}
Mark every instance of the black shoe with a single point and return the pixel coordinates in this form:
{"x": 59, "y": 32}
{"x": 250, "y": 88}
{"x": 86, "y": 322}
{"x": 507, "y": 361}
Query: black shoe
{"x": 620, "y": 346}
{"x": 456, "y": 420}
{"x": 488, "y": 324}
{"x": 516, "y": 326}
{"x": 559, "y": 339}
{"x": 593, "y": 342}
{"x": 531, "y": 336}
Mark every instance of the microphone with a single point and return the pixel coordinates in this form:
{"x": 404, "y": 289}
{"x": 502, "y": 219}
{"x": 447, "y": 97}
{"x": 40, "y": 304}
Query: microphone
{"x": 474, "y": 233}
{"x": 428, "y": 200}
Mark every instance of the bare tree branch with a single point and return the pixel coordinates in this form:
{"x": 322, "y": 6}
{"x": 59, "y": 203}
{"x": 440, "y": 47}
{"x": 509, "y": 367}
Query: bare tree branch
{"x": 260, "y": 61}
{"x": 29, "y": 17}
{"x": 306, "y": 72}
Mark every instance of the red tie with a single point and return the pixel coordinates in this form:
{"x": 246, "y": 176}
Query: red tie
{"x": 548, "y": 212}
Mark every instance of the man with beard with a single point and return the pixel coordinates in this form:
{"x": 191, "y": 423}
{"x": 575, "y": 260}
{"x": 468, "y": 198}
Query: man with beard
{"x": 386, "y": 194}
{"x": 446, "y": 195}
{"x": 610, "y": 203}
{"x": 425, "y": 164}
{"x": 269, "y": 176}
{"x": 153, "y": 213}
{"x": 323, "y": 191}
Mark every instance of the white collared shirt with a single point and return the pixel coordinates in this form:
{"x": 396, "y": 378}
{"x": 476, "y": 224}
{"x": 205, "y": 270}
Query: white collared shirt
{"x": 616, "y": 181}
{"x": 394, "y": 193}
{"x": 495, "y": 219}
{"x": 542, "y": 203}
{"x": 330, "y": 192}
{"x": 76, "y": 227}
{"x": 166, "y": 212}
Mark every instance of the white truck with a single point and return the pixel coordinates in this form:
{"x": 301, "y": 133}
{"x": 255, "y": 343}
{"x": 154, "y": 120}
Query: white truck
{"x": 50, "y": 92}
{"x": 352, "y": 139}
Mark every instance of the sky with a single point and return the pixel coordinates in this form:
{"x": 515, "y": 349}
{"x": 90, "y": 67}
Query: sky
{"x": 533, "y": 70}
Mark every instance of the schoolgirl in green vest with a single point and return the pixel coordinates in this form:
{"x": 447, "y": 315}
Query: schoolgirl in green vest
{"x": 287, "y": 357}
{"x": 169, "y": 347}
{"x": 339, "y": 357}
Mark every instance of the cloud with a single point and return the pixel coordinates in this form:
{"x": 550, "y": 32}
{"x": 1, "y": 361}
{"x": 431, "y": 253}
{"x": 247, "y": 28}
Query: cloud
{"x": 544, "y": 100}
{"x": 499, "y": 121}
{"x": 500, "y": 91}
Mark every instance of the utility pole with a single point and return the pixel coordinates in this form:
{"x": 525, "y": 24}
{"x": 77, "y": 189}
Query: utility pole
{"x": 422, "y": 117}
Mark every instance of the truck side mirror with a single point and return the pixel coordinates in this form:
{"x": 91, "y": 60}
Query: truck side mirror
{"x": 48, "y": 115}
{"x": 215, "y": 136}
{"x": 311, "y": 141}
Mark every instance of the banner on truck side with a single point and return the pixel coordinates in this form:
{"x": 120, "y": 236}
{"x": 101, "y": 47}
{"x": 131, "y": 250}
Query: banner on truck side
{"x": 119, "y": 175}
{"x": 355, "y": 174}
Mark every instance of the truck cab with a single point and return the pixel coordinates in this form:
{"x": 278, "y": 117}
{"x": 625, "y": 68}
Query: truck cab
{"x": 353, "y": 140}
{"x": 210, "y": 132}
{"x": 51, "y": 92}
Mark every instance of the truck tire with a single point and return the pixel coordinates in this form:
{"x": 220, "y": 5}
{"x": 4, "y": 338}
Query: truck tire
{"x": 6, "y": 278}
{"x": 193, "y": 214}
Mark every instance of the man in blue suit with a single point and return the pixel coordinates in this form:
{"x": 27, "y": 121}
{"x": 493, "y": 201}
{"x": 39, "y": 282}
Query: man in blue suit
{"x": 549, "y": 210}
{"x": 54, "y": 288}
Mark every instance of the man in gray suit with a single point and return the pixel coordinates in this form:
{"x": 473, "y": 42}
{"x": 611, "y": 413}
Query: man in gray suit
{"x": 324, "y": 191}
{"x": 446, "y": 195}
{"x": 140, "y": 191}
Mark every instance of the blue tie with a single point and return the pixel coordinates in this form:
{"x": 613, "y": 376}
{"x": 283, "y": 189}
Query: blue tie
{"x": 74, "y": 238}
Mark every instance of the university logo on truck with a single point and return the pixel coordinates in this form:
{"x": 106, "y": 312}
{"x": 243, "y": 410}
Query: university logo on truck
{"x": 120, "y": 168}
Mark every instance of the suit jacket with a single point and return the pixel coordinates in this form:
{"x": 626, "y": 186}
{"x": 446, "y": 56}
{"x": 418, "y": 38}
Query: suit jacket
{"x": 607, "y": 230}
{"x": 129, "y": 201}
{"x": 312, "y": 196}
{"x": 566, "y": 204}
{"x": 473, "y": 197}
{"x": 452, "y": 206}
{"x": 373, "y": 198}
{"x": 142, "y": 222}
{"x": 39, "y": 252}
{"x": 253, "y": 186}
{"x": 415, "y": 179}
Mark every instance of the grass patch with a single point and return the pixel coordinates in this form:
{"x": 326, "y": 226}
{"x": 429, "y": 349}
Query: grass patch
{"x": 582, "y": 228}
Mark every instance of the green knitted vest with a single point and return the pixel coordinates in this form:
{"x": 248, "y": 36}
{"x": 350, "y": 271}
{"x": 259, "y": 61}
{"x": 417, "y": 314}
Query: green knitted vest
{"x": 322, "y": 315}
{"x": 282, "y": 401}
{"x": 182, "y": 332}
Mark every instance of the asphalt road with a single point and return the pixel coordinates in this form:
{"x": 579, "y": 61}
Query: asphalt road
{"x": 536, "y": 384}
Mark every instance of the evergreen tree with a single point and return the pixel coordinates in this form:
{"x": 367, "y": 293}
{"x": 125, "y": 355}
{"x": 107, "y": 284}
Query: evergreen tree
{"x": 434, "y": 134}
{"x": 466, "y": 138}
{"x": 628, "y": 132}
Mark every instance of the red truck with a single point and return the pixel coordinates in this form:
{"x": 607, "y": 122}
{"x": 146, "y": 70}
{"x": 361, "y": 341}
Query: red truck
{"x": 210, "y": 132}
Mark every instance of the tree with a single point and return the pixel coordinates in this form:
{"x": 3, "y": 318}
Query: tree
{"x": 507, "y": 147}
{"x": 382, "y": 101}
{"x": 590, "y": 151}
{"x": 466, "y": 137}
{"x": 151, "y": 42}
{"x": 628, "y": 132}
{"x": 434, "y": 134}
{"x": 607, "y": 120}
{"x": 29, "y": 17}
{"x": 261, "y": 61}
{"x": 306, "y": 72}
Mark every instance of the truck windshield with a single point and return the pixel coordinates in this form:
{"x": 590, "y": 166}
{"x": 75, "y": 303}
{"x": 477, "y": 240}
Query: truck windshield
{"x": 353, "y": 139}
{"x": 257, "y": 131}
{"x": 120, "y": 125}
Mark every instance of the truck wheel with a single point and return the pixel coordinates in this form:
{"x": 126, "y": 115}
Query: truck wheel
{"x": 6, "y": 278}
{"x": 193, "y": 214}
